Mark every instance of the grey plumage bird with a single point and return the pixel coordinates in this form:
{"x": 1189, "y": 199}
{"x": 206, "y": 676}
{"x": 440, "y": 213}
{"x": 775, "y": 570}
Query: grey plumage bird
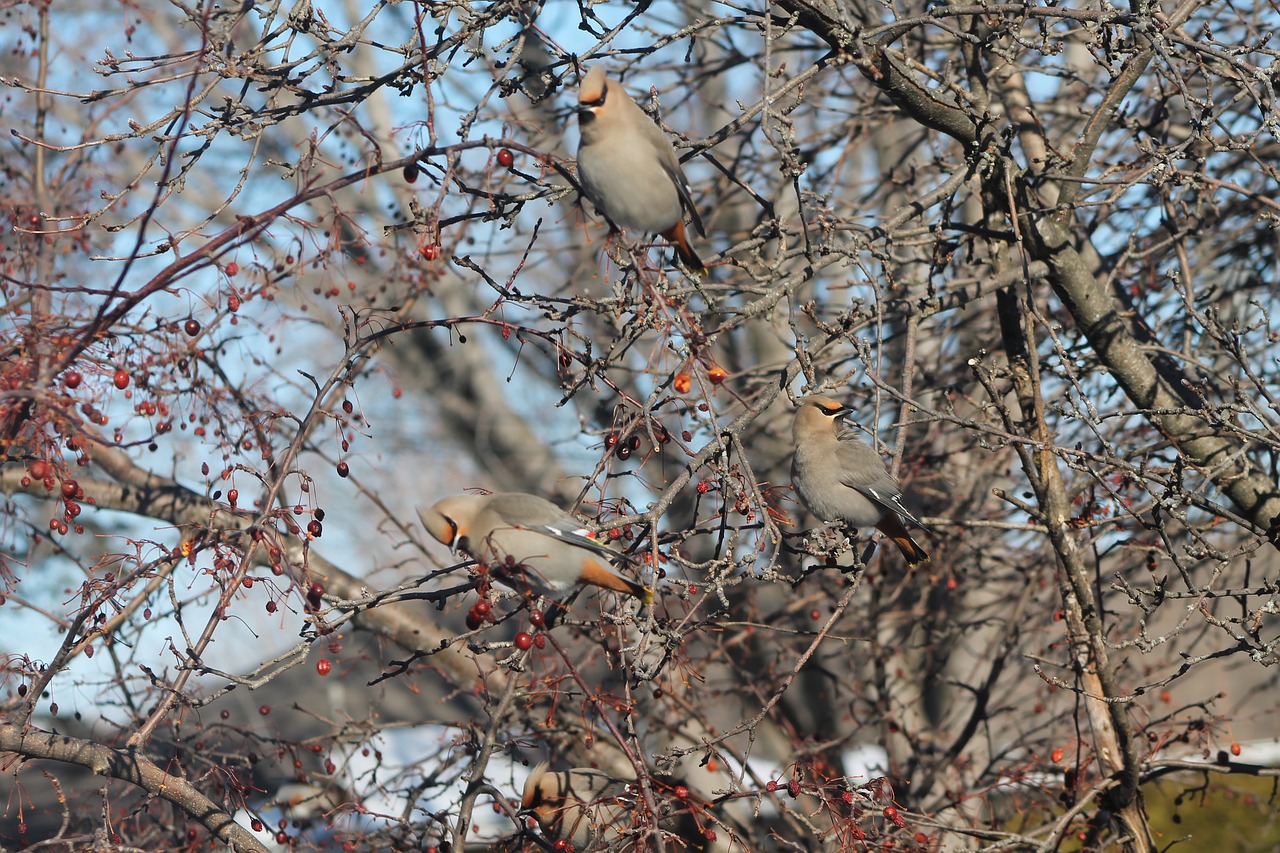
{"x": 629, "y": 169}
{"x": 527, "y": 542}
{"x": 841, "y": 478}
{"x": 582, "y": 806}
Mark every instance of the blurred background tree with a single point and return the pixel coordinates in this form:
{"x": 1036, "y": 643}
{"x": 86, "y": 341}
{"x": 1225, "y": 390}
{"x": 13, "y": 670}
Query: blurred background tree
{"x": 276, "y": 276}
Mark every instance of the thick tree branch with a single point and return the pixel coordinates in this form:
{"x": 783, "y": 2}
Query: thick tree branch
{"x": 132, "y": 767}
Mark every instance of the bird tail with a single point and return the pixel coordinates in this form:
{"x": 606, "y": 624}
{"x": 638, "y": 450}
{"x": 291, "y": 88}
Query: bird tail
{"x": 595, "y": 574}
{"x": 679, "y": 239}
{"x": 890, "y": 526}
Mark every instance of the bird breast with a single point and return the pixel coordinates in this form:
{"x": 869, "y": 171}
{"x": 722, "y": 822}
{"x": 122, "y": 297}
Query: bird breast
{"x": 817, "y": 479}
{"x": 629, "y": 185}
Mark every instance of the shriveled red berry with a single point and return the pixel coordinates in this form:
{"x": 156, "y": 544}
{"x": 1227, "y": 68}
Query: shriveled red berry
{"x": 681, "y": 792}
{"x": 232, "y": 268}
{"x": 540, "y": 640}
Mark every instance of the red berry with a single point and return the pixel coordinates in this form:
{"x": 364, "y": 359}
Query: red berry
{"x": 430, "y": 251}
{"x": 315, "y": 528}
{"x": 72, "y": 379}
{"x": 264, "y": 710}
{"x": 1055, "y": 756}
{"x": 537, "y": 618}
{"x": 256, "y": 824}
{"x": 524, "y": 641}
{"x": 192, "y": 327}
{"x": 233, "y": 495}
{"x": 717, "y": 375}
{"x": 122, "y": 378}
{"x": 682, "y": 792}
{"x": 343, "y": 470}
{"x": 323, "y": 666}
{"x": 69, "y": 488}
{"x": 314, "y": 592}
{"x": 38, "y": 469}
{"x": 505, "y": 158}
{"x": 1235, "y": 748}
{"x": 540, "y": 640}
{"x": 232, "y": 268}
{"x": 410, "y": 173}
{"x": 610, "y": 440}
{"x": 271, "y": 607}
{"x": 482, "y": 608}
{"x": 793, "y": 788}
{"x": 682, "y": 383}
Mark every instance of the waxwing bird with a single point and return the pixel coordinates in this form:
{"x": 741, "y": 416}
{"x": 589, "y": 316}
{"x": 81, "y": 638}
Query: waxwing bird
{"x": 629, "y": 169}
{"x": 582, "y": 806}
{"x": 841, "y": 478}
{"x": 591, "y": 810}
{"x": 527, "y": 542}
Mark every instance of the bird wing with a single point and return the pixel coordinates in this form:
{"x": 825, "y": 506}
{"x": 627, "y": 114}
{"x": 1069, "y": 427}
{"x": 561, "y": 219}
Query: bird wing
{"x": 536, "y": 515}
{"x": 862, "y": 469}
{"x": 673, "y": 169}
{"x": 671, "y": 165}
